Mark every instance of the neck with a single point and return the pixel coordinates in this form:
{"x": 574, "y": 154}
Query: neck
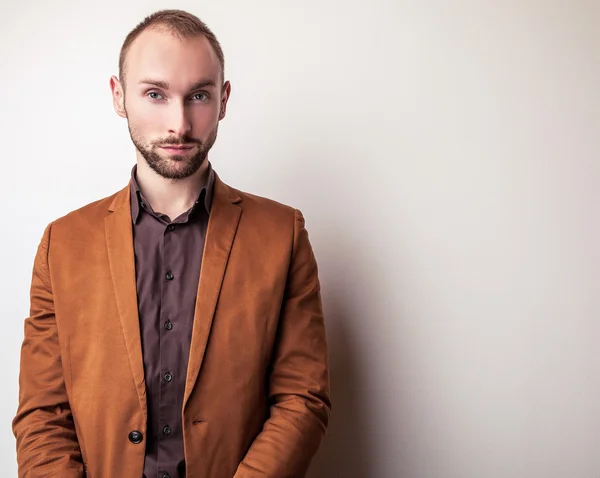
{"x": 170, "y": 196}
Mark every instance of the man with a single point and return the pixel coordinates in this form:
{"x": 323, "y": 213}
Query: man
{"x": 176, "y": 327}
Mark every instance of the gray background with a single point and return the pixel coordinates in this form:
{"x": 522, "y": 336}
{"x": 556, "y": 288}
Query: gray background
{"x": 446, "y": 157}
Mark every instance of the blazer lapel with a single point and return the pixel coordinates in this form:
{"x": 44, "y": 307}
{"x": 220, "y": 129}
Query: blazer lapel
{"x": 119, "y": 242}
{"x": 222, "y": 226}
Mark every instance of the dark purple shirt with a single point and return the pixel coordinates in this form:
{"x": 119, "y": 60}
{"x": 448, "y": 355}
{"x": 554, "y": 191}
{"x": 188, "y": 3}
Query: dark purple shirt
{"x": 168, "y": 259}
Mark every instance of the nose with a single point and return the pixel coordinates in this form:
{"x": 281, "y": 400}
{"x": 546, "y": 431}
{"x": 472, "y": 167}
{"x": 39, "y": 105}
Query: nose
{"x": 178, "y": 121}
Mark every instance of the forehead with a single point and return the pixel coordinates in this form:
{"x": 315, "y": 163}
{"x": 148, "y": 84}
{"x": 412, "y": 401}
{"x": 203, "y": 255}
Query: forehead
{"x": 165, "y": 56}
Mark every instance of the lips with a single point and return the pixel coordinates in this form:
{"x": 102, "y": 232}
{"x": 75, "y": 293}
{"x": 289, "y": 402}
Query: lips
{"x": 177, "y": 149}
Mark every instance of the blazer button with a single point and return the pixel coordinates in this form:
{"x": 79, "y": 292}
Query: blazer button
{"x": 135, "y": 437}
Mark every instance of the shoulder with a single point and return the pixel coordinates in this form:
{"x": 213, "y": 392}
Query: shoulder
{"x": 263, "y": 204}
{"x": 90, "y": 216}
{"x": 266, "y": 211}
{"x": 270, "y": 227}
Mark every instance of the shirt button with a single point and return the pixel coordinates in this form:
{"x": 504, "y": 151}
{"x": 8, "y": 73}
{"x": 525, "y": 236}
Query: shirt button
{"x": 143, "y": 204}
{"x": 166, "y": 475}
{"x": 168, "y": 325}
{"x": 167, "y": 430}
{"x": 170, "y": 227}
{"x": 169, "y": 275}
{"x": 168, "y": 377}
{"x": 135, "y": 437}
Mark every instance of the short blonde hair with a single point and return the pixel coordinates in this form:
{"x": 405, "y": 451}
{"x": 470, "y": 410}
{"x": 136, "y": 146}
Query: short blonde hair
{"x": 178, "y": 22}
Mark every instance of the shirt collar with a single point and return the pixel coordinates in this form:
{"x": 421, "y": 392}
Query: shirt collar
{"x": 137, "y": 197}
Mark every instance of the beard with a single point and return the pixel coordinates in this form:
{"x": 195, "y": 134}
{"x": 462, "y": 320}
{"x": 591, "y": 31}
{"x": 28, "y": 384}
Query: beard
{"x": 173, "y": 166}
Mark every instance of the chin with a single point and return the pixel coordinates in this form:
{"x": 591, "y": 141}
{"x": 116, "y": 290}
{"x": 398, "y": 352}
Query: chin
{"x": 175, "y": 159}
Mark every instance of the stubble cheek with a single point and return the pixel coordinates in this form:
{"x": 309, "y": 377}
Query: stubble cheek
{"x": 146, "y": 128}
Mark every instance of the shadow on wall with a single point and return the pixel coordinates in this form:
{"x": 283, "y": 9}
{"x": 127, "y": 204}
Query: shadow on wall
{"x": 345, "y": 449}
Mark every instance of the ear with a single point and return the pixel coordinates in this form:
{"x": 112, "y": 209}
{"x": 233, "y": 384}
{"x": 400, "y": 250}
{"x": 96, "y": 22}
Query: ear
{"x": 224, "y": 99}
{"x": 118, "y": 96}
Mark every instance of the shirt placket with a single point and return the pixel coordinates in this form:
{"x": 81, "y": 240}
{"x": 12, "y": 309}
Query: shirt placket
{"x": 168, "y": 318}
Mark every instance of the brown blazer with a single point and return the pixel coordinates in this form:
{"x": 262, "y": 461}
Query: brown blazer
{"x": 256, "y": 401}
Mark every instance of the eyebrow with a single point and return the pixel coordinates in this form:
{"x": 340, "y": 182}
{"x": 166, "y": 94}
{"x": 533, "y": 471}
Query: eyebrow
{"x": 165, "y": 86}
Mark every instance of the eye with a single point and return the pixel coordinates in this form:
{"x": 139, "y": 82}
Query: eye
{"x": 203, "y": 96}
{"x": 151, "y": 93}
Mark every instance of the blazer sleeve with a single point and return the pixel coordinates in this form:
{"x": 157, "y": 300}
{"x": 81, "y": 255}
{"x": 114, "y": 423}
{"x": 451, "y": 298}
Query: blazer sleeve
{"x": 299, "y": 378}
{"x": 43, "y": 426}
